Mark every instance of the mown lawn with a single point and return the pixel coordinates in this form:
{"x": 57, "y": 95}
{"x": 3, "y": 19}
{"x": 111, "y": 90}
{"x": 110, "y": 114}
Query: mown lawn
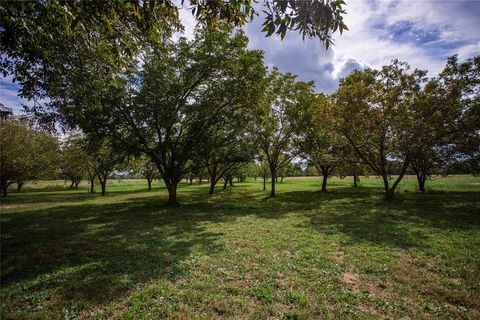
{"x": 67, "y": 254}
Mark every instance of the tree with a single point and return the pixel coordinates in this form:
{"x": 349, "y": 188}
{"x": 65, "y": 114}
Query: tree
{"x": 104, "y": 157}
{"x": 460, "y": 82}
{"x": 184, "y": 97}
{"x": 375, "y": 116}
{"x": 26, "y": 153}
{"x": 322, "y": 143}
{"x": 277, "y": 125}
{"x": 228, "y": 145}
{"x": 74, "y": 160}
{"x": 445, "y": 122}
{"x": 145, "y": 167}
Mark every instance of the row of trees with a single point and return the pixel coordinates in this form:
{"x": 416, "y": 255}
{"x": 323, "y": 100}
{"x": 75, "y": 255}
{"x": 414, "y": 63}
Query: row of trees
{"x": 29, "y": 153}
{"x": 241, "y": 120}
{"x": 117, "y": 74}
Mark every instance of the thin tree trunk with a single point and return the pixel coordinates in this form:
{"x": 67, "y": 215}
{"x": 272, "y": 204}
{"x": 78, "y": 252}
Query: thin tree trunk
{"x": 199, "y": 180}
{"x": 274, "y": 176}
{"x": 19, "y": 186}
{"x": 72, "y": 184}
{"x": 264, "y": 182}
{"x": 191, "y": 180}
{"x": 355, "y": 180}
{"x": 4, "y": 187}
{"x": 386, "y": 186}
{"x": 92, "y": 184}
{"x": 324, "y": 182}
{"x": 77, "y": 182}
{"x": 391, "y": 191}
{"x": 149, "y": 181}
{"x": 230, "y": 181}
{"x": 225, "y": 184}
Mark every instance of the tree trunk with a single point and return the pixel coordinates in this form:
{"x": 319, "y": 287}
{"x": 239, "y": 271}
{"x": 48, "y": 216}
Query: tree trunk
{"x": 421, "y": 178}
{"x": 77, "y": 182}
{"x": 274, "y": 177}
{"x": 4, "y": 187}
{"x": 421, "y": 185}
{"x": 92, "y": 184}
{"x": 72, "y": 184}
{"x": 355, "y": 180}
{"x": 230, "y": 181}
{"x": 199, "y": 180}
{"x": 172, "y": 194}
{"x": 191, "y": 180}
{"x": 264, "y": 182}
{"x": 103, "y": 184}
{"x": 225, "y": 184}
{"x": 390, "y": 192}
{"x": 149, "y": 181}
{"x": 19, "y": 186}
{"x": 281, "y": 179}
{"x": 213, "y": 182}
{"x": 324, "y": 182}
{"x": 386, "y": 186}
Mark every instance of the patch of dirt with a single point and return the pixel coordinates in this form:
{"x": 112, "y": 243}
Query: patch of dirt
{"x": 351, "y": 278}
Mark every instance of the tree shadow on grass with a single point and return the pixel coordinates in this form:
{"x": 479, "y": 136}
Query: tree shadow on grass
{"x": 98, "y": 253}
{"x": 398, "y": 223}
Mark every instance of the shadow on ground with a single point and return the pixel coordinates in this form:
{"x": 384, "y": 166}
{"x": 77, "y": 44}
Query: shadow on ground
{"x": 98, "y": 252}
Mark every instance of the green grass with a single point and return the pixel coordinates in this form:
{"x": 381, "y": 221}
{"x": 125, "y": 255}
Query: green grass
{"x": 67, "y": 254}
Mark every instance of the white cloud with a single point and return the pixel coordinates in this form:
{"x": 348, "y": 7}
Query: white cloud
{"x": 447, "y": 27}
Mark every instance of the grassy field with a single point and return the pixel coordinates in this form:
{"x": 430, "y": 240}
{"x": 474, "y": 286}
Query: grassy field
{"x": 67, "y": 254}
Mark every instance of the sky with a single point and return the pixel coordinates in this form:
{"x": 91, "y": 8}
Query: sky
{"x": 421, "y": 32}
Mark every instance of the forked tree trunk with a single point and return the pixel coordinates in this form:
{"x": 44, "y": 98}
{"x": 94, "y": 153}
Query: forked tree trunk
{"x": 102, "y": 177}
{"x": 390, "y": 191}
{"x": 149, "y": 181}
{"x": 421, "y": 177}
